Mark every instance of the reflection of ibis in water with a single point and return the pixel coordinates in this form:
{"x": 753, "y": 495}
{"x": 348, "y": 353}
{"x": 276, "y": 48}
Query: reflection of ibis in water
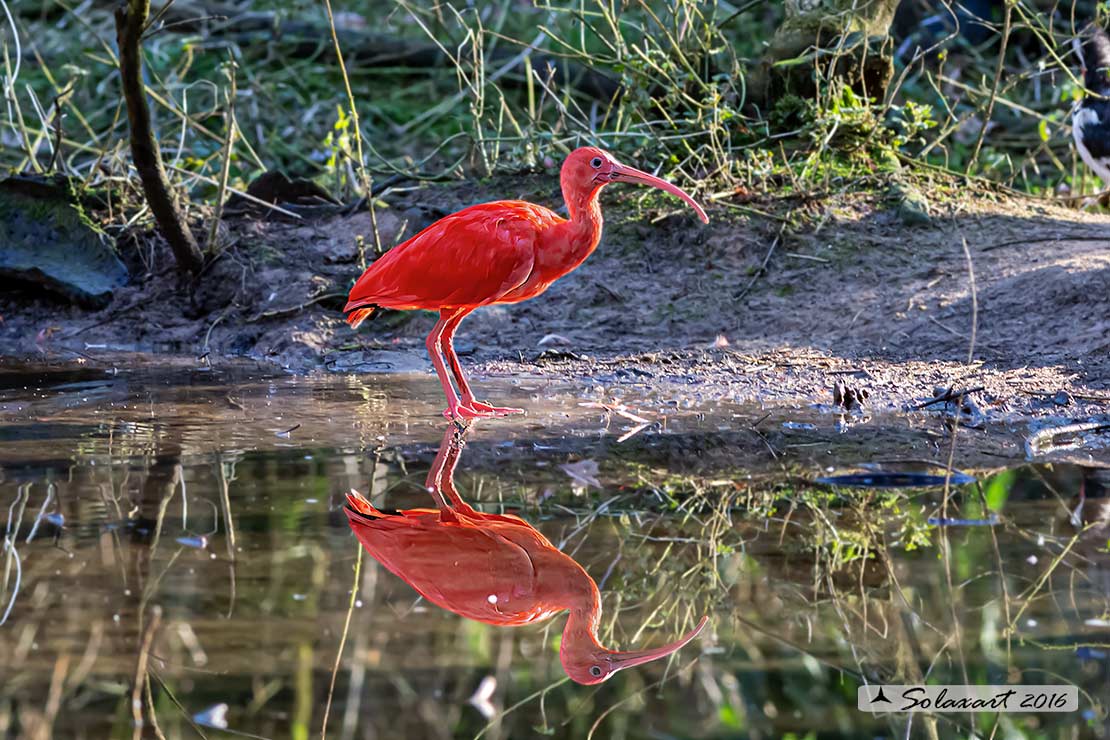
{"x": 493, "y": 568}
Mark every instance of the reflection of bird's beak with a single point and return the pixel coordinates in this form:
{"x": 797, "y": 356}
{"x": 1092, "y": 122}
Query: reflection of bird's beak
{"x": 620, "y": 661}
{"x": 623, "y": 173}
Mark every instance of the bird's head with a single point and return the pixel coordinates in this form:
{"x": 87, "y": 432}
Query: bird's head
{"x": 587, "y": 662}
{"x": 588, "y": 168}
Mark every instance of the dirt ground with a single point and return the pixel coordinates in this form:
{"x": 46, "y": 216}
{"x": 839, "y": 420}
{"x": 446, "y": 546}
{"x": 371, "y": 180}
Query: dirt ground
{"x": 850, "y": 294}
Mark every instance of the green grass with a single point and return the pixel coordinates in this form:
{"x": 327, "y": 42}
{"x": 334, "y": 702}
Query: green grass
{"x": 683, "y": 65}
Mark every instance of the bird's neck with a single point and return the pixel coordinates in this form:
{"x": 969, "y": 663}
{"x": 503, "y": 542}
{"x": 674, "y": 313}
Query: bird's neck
{"x": 576, "y": 238}
{"x": 583, "y": 206}
{"x": 584, "y": 618}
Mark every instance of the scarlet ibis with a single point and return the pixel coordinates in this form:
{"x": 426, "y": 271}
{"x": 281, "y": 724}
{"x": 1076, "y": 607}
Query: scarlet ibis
{"x": 493, "y": 568}
{"x": 1091, "y": 117}
{"x": 502, "y": 252}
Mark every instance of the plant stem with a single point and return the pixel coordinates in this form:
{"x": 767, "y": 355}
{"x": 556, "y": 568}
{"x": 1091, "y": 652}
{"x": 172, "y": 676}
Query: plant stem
{"x": 1007, "y": 24}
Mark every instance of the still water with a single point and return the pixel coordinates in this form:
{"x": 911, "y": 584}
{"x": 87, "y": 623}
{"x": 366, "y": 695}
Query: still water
{"x": 177, "y": 562}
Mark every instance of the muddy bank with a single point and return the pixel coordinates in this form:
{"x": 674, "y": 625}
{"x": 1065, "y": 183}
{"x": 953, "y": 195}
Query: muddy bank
{"x": 777, "y": 309}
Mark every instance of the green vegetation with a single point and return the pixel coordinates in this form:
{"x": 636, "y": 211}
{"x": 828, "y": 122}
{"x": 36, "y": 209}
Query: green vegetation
{"x": 501, "y": 87}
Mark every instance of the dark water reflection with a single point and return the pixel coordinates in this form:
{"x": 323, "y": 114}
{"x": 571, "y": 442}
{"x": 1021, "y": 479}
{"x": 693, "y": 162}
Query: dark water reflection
{"x": 201, "y": 515}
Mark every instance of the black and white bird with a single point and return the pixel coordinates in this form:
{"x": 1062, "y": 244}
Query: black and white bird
{"x": 1091, "y": 117}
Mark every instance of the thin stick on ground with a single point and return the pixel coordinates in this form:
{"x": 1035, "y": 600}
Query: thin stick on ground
{"x": 131, "y": 20}
{"x": 974, "y": 302}
{"x": 944, "y": 544}
{"x": 762, "y": 267}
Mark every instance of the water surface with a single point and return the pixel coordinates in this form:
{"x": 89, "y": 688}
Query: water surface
{"x": 174, "y": 543}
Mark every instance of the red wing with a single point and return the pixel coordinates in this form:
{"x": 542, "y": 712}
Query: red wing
{"x": 458, "y": 567}
{"x": 466, "y": 259}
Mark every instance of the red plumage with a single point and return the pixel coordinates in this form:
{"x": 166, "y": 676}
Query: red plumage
{"x": 501, "y": 252}
{"x": 493, "y": 568}
{"x": 468, "y": 259}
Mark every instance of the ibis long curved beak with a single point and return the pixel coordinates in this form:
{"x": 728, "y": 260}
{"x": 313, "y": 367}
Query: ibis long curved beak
{"x": 623, "y": 660}
{"x": 624, "y": 173}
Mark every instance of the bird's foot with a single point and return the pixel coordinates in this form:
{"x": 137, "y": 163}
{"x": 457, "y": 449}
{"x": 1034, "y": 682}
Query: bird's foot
{"x": 462, "y": 411}
{"x": 486, "y": 410}
{"x": 470, "y": 409}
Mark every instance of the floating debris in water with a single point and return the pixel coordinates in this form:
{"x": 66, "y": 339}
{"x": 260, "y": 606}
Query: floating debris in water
{"x": 1097, "y": 622}
{"x": 619, "y": 409}
{"x": 583, "y": 473}
{"x": 798, "y": 425}
{"x": 192, "y": 644}
{"x": 287, "y": 432}
{"x": 199, "y": 543}
{"x": 939, "y": 521}
{"x": 215, "y": 716}
{"x": 58, "y": 520}
{"x": 895, "y": 480}
{"x": 482, "y": 695}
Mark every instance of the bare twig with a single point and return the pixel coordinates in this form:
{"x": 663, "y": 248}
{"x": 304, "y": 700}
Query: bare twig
{"x": 974, "y": 300}
{"x": 1007, "y": 24}
{"x": 342, "y": 641}
{"x": 140, "y": 670}
{"x": 762, "y": 267}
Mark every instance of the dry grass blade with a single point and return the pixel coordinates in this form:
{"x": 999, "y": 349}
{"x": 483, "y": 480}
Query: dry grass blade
{"x": 342, "y": 641}
{"x": 141, "y": 676}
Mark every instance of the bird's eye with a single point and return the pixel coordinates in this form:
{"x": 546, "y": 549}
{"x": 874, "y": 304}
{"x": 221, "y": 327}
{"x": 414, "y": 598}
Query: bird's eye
{"x": 595, "y": 670}
{"x": 596, "y": 163}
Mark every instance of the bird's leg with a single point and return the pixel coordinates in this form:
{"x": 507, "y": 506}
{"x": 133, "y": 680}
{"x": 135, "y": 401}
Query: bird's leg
{"x": 455, "y": 439}
{"x": 440, "y": 479}
{"x": 433, "y": 344}
{"x": 467, "y": 396}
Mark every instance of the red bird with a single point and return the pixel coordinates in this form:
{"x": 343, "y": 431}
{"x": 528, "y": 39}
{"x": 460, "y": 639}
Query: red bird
{"x": 502, "y": 252}
{"x": 493, "y": 568}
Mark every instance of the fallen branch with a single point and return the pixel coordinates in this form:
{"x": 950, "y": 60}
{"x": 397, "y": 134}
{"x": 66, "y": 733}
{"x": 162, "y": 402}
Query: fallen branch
{"x": 949, "y": 396}
{"x": 131, "y": 17}
{"x": 1045, "y": 440}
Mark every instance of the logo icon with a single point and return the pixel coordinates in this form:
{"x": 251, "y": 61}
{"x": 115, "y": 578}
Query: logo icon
{"x": 880, "y": 697}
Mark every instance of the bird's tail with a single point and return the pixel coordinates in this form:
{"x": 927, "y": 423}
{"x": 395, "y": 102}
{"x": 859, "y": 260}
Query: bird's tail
{"x": 360, "y": 314}
{"x": 358, "y": 505}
